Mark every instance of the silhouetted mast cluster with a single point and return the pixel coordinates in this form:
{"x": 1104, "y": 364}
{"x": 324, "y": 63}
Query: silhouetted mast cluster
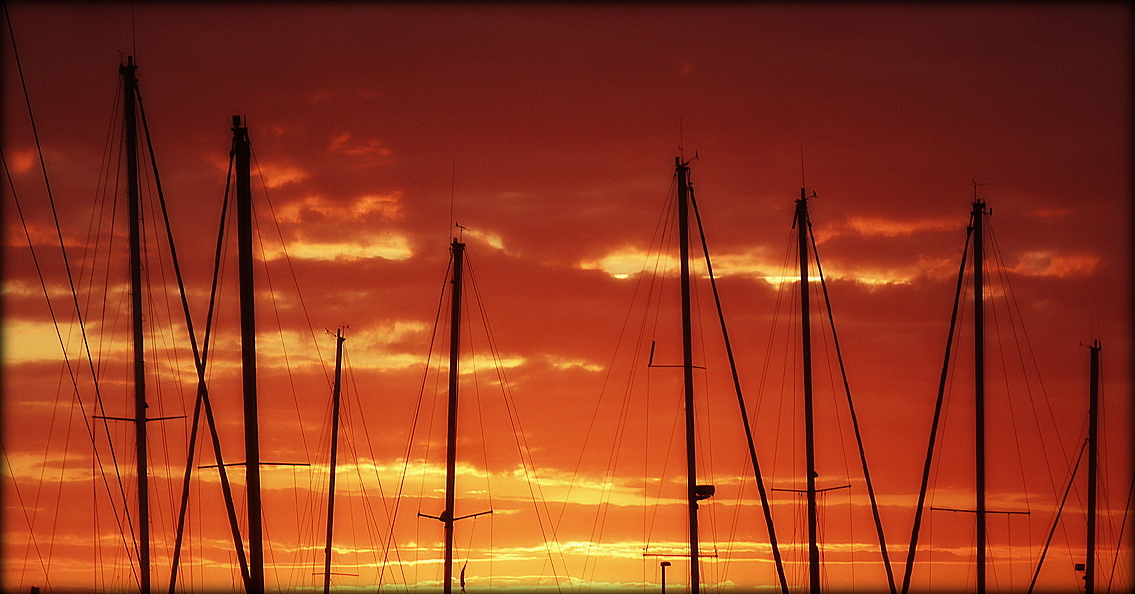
{"x": 694, "y": 491}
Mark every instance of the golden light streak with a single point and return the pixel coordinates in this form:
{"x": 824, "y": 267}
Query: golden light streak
{"x": 565, "y": 364}
{"x": 28, "y": 342}
{"x": 752, "y": 264}
{"x": 387, "y": 207}
{"x": 386, "y": 246}
{"x": 494, "y": 240}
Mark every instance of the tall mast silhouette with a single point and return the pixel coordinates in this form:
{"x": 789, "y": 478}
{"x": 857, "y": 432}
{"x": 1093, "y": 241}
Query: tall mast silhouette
{"x": 335, "y": 392}
{"x": 447, "y": 517}
{"x": 134, "y": 212}
{"x": 1093, "y": 461}
{"x": 692, "y": 494}
{"x": 243, "y": 159}
{"x": 809, "y": 429}
{"x": 979, "y": 211}
{"x": 451, "y": 431}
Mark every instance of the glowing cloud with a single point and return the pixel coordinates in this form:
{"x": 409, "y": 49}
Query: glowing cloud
{"x": 868, "y": 226}
{"x": 345, "y": 144}
{"x": 387, "y": 246}
{"x": 1046, "y": 263}
{"x": 619, "y": 264}
{"x": 492, "y": 239}
{"x": 386, "y": 207}
{"x": 751, "y": 264}
{"x": 21, "y": 161}
{"x": 277, "y": 175}
{"x": 562, "y": 363}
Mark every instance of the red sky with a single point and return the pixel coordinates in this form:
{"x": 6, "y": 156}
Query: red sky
{"x": 549, "y": 133}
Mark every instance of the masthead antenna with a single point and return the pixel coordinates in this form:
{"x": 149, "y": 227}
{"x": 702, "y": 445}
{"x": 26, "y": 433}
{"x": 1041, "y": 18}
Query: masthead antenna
{"x": 681, "y": 140}
{"x": 801, "y": 170}
{"x": 976, "y": 184}
{"x": 452, "y": 190}
{"x": 133, "y": 31}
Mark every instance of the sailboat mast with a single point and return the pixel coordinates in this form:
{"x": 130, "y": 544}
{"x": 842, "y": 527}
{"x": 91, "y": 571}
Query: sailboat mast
{"x": 451, "y": 437}
{"x": 243, "y": 158}
{"x": 130, "y": 124}
{"x": 336, "y": 390}
{"x": 683, "y": 171}
{"x": 979, "y": 385}
{"x": 1093, "y": 453}
{"x": 809, "y": 430}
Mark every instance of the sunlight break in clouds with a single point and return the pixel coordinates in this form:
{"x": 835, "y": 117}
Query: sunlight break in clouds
{"x": 627, "y": 263}
{"x": 363, "y": 209}
{"x": 494, "y": 240}
{"x": 565, "y": 363}
{"x": 387, "y": 247}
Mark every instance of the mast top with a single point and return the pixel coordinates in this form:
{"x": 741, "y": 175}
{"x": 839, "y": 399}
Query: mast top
{"x": 457, "y": 240}
{"x": 128, "y": 68}
{"x": 979, "y": 201}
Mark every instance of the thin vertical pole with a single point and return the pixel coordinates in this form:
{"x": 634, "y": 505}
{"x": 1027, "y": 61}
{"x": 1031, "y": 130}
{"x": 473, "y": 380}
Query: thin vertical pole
{"x": 243, "y": 159}
{"x": 451, "y": 438}
{"x": 335, "y": 392}
{"x": 134, "y": 211}
{"x": 683, "y": 171}
{"x": 979, "y": 386}
{"x": 809, "y": 431}
{"x": 1093, "y": 453}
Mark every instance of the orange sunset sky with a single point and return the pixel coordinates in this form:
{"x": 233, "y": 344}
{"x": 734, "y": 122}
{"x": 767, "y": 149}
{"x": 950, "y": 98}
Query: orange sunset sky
{"x": 544, "y": 136}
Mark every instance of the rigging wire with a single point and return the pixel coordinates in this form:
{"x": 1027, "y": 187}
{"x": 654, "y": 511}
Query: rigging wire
{"x": 203, "y": 401}
{"x": 280, "y": 326}
{"x": 75, "y": 301}
{"x": 769, "y": 525}
{"x": 918, "y": 512}
{"x": 643, "y": 284}
{"x": 854, "y": 418}
{"x": 199, "y": 353}
{"x": 1048, "y": 541}
{"x": 368, "y": 508}
{"x": 390, "y": 542}
{"x": 1022, "y": 343}
{"x": 519, "y": 435}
